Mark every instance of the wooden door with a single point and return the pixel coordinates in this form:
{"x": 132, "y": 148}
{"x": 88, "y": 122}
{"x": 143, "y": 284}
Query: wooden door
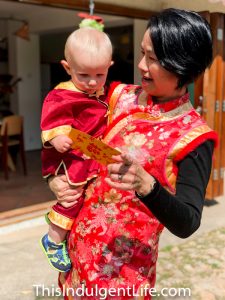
{"x": 209, "y": 90}
{"x": 217, "y": 25}
{"x": 222, "y": 136}
{"x": 201, "y": 81}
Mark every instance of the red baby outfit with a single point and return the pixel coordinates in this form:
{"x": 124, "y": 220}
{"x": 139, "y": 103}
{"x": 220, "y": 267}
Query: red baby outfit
{"x": 65, "y": 108}
{"x": 114, "y": 241}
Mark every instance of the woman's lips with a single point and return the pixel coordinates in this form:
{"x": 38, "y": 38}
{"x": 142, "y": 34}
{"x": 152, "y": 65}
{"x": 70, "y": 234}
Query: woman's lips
{"x": 146, "y": 80}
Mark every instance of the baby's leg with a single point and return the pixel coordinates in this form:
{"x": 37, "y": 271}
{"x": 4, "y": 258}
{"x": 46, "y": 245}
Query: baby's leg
{"x": 54, "y": 244}
{"x": 56, "y": 233}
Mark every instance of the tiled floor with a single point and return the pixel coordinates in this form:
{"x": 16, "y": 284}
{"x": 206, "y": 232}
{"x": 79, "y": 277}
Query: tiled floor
{"x": 20, "y": 191}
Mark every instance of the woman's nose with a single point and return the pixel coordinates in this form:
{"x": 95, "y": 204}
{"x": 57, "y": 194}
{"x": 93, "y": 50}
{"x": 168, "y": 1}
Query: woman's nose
{"x": 142, "y": 65}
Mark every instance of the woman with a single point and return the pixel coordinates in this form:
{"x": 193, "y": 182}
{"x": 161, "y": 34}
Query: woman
{"x": 161, "y": 177}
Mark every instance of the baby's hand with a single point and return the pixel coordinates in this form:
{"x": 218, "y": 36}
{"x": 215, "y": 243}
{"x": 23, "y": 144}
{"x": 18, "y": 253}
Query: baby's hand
{"x": 61, "y": 143}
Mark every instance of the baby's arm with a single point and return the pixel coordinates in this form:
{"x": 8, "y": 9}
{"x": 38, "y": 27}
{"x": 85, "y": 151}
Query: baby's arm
{"x": 61, "y": 143}
{"x": 56, "y": 120}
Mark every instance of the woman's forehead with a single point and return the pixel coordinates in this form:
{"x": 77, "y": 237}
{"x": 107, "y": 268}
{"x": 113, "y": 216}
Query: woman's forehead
{"x": 147, "y": 42}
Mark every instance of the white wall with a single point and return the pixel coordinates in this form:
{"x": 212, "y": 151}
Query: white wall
{"x": 29, "y": 90}
{"x": 24, "y": 62}
{"x": 12, "y": 61}
{"x": 139, "y": 29}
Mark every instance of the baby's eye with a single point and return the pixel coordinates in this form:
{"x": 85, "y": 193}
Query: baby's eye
{"x": 84, "y": 75}
{"x": 100, "y": 75}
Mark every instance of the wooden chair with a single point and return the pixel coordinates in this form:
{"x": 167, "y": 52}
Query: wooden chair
{"x": 11, "y": 134}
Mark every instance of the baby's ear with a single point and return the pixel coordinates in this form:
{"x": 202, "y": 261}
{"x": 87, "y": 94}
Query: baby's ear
{"x": 66, "y": 66}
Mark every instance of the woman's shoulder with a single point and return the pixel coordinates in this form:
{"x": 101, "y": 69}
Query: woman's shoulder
{"x": 117, "y": 86}
{"x": 118, "y": 90}
{"x": 129, "y": 87}
{"x": 121, "y": 98}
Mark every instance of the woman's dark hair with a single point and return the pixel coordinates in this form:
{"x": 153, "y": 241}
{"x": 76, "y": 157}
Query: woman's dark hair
{"x": 182, "y": 42}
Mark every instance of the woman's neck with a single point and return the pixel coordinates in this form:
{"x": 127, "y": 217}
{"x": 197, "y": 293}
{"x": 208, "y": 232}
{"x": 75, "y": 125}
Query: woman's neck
{"x": 143, "y": 99}
{"x": 157, "y": 100}
{"x": 177, "y": 94}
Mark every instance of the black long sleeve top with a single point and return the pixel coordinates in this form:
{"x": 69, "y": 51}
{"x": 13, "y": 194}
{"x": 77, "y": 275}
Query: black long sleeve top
{"x": 181, "y": 213}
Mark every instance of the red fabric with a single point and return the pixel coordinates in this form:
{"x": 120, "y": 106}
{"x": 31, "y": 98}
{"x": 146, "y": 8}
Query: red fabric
{"x": 193, "y": 145}
{"x": 70, "y": 212}
{"x": 65, "y": 107}
{"x": 114, "y": 240}
{"x": 112, "y": 88}
{"x": 123, "y": 113}
{"x": 93, "y": 17}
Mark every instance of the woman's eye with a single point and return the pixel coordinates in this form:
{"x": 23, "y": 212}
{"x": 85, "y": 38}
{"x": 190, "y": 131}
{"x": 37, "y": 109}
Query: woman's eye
{"x": 152, "y": 58}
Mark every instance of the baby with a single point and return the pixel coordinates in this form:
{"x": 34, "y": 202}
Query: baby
{"x": 81, "y": 104}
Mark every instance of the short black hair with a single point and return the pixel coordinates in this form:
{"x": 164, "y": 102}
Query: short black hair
{"x": 182, "y": 42}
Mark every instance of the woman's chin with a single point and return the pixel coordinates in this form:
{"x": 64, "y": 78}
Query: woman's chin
{"x": 147, "y": 87}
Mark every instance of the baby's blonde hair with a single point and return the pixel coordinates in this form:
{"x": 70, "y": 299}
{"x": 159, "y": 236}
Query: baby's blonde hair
{"x": 89, "y": 40}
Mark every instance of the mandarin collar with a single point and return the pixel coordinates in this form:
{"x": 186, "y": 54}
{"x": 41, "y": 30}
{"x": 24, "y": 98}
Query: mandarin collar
{"x": 97, "y": 94}
{"x": 168, "y": 105}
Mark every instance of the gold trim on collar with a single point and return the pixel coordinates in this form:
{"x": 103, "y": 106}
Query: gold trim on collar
{"x": 148, "y": 116}
{"x": 178, "y": 111}
{"x": 67, "y": 85}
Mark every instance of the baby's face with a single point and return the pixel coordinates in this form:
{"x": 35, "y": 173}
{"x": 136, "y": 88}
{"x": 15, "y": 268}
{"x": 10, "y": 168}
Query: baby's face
{"x": 89, "y": 73}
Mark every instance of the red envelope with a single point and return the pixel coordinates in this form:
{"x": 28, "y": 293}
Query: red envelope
{"x": 92, "y": 147}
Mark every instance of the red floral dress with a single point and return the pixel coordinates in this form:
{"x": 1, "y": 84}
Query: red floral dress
{"x": 114, "y": 241}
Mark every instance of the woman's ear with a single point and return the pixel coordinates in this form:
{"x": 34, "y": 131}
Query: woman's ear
{"x": 65, "y": 65}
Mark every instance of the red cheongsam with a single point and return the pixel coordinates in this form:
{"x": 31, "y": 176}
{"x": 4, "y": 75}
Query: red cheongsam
{"x": 113, "y": 243}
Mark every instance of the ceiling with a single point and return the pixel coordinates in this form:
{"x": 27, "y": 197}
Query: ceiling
{"x": 44, "y": 19}
{"x": 48, "y": 18}
{"x": 157, "y": 5}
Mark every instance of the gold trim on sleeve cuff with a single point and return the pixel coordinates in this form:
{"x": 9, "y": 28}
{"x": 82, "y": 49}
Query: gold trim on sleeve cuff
{"x": 47, "y": 135}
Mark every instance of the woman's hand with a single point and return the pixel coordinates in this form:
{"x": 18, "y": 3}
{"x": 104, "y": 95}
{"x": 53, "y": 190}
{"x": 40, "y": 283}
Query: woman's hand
{"x": 126, "y": 174}
{"x": 65, "y": 193}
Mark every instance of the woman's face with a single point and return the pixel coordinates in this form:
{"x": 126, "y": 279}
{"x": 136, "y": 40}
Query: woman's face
{"x": 156, "y": 81}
